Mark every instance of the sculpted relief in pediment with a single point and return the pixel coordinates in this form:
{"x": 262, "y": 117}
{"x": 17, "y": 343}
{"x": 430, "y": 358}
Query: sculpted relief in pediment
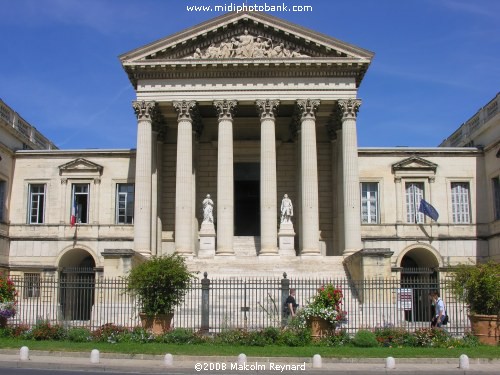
{"x": 246, "y": 46}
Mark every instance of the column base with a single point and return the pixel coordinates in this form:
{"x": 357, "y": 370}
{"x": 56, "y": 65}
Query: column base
{"x": 268, "y": 252}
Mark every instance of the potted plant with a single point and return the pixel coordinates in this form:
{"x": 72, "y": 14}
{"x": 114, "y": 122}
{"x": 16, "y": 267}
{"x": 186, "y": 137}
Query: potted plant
{"x": 160, "y": 284}
{"x": 324, "y": 312}
{"x": 8, "y": 296}
{"x": 479, "y": 287}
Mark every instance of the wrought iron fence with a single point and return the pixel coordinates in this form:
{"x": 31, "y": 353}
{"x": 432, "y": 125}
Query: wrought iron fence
{"x": 213, "y": 305}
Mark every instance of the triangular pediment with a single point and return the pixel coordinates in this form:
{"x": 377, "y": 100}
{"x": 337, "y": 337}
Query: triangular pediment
{"x": 82, "y": 167}
{"x": 414, "y": 164}
{"x": 246, "y": 35}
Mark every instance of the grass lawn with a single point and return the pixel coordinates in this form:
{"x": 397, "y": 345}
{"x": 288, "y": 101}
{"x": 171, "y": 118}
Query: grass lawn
{"x": 254, "y": 351}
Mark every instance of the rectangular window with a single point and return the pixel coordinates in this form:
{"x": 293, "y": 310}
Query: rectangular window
{"x": 496, "y": 197}
{"x": 80, "y": 199}
{"x": 414, "y": 194}
{"x": 125, "y": 203}
{"x": 369, "y": 202}
{"x": 36, "y": 203}
{"x": 31, "y": 285}
{"x": 460, "y": 206}
{"x": 3, "y": 192}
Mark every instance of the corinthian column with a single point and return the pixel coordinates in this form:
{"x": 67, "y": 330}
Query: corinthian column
{"x": 184, "y": 179}
{"x": 225, "y": 180}
{"x": 309, "y": 177}
{"x": 268, "y": 217}
{"x": 143, "y": 169}
{"x": 352, "y": 219}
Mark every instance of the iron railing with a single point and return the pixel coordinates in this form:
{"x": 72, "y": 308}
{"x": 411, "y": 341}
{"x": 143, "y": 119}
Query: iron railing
{"x": 213, "y": 305}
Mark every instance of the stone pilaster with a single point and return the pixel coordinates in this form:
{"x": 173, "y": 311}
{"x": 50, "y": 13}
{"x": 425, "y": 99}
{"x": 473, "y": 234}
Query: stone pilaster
{"x": 268, "y": 190}
{"x": 184, "y": 179}
{"x": 225, "y": 179}
{"x": 142, "y": 208}
{"x": 352, "y": 219}
{"x": 309, "y": 177}
{"x": 399, "y": 200}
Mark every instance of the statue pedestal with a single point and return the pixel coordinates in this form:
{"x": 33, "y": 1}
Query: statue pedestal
{"x": 207, "y": 240}
{"x": 286, "y": 238}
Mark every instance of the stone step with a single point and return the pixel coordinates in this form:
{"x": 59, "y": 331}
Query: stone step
{"x": 246, "y": 245}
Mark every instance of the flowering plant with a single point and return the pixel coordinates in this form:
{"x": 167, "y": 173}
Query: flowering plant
{"x": 7, "y": 309}
{"x": 327, "y": 304}
{"x": 8, "y": 296}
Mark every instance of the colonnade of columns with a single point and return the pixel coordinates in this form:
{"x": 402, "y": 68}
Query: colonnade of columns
{"x": 309, "y": 202}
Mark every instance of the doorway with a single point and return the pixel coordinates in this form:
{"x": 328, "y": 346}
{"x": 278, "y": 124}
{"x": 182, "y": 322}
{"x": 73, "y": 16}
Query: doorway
{"x": 419, "y": 281}
{"x": 76, "y": 286}
{"x": 246, "y": 199}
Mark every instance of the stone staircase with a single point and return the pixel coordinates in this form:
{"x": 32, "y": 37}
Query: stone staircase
{"x": 246, "y": 246}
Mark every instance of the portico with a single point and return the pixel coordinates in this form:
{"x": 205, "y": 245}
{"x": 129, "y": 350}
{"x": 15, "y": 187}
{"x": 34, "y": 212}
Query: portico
{"x": 247, "y": 108}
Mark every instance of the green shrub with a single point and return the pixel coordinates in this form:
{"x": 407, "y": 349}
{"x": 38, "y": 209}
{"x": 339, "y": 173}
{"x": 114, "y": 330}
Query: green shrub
{"x": 160, "y": 283}
{"x": 231, "y": 337}
{"x": 43, "y": 330}
{"x": 256, "y": 338}
{"x": 365, "y": 339}
{"x": 109, "y": 332}
{"x": 271, "y": 334}
{"x": 469, "y": 341}
{"x": 140, "y": 335}
{"x": 295, "y": 337}
{"x": 394, "y": 336}
{"x": 477, "y": 285}
{"x": 180, "y": 336}
{"x": 339, "y": 338}
{"x": 79, "y": 334}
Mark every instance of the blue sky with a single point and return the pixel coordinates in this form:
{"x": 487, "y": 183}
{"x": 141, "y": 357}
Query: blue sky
{"x": 436, "y": 62}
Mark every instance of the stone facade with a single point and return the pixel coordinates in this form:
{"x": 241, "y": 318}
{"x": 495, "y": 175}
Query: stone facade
{"x": 248, "y": 129}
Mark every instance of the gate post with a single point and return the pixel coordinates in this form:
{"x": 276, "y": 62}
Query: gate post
{"x": 285, "y": 292}
{"x": 205, "y": 303}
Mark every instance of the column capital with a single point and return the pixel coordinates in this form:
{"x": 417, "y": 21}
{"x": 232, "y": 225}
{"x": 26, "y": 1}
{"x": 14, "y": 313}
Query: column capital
{"x": 225, "y": 108}
{"x": 144, "y": 110}
{"x": 349, "y": 108}
{"x": 184, "y": 109}
{"x": 267, "y": 108}
{"x": 308, "y": 107}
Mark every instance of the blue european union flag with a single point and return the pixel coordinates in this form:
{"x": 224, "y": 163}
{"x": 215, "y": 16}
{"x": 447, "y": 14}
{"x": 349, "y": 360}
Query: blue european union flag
{"x": 427, "y": 209}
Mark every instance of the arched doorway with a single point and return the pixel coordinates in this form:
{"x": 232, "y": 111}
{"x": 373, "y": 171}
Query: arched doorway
{"x": 419, "y": 276}
{"x": 76, "y": 285}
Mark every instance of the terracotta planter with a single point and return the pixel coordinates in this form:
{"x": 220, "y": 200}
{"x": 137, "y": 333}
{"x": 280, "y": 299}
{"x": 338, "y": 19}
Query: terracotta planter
{"x": 156, "y": 324}
{"x": 320, "y": 327}
{"x": 486, "y": 328}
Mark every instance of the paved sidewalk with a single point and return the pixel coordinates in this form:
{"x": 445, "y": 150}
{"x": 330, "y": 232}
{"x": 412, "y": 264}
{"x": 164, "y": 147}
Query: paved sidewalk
{"x": 152, "y": 364}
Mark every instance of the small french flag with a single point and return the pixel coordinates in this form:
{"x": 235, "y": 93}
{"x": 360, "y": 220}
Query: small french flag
{"x": 72, "y": 220}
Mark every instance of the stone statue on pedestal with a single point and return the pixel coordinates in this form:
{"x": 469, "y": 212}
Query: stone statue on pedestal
{"x": 208, "y": 209}
{"x": 286, "y": 210}
{"x": 207, "y": 231}
{"x": 286, "y": 233}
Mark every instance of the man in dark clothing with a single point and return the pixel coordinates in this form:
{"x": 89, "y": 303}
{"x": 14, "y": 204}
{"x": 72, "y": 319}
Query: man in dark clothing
{"x": 291, "y": 305}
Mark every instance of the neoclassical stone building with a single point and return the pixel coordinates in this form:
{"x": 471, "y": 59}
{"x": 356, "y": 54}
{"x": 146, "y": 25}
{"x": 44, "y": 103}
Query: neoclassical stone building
{"x": 247, "y": 108}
